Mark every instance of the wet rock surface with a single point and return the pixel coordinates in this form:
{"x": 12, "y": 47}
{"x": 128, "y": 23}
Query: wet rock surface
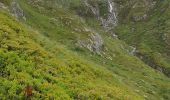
{"x": 109, "y": 18}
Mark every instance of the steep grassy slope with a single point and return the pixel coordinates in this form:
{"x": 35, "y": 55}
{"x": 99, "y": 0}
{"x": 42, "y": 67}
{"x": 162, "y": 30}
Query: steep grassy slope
{"x": 150, "y": 35}
{"x": 57, "y": 68}
{"x": 55, "y": 73}
{"x": 116, "y": 58}
{"x": 6, "y": 2}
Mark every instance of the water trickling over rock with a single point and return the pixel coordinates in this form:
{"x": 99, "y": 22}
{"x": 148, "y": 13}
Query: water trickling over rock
{"x": 109, "y": 19}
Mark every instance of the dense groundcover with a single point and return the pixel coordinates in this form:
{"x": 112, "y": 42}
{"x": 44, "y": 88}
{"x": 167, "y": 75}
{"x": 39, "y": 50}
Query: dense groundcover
{"x": 61, "y": 51}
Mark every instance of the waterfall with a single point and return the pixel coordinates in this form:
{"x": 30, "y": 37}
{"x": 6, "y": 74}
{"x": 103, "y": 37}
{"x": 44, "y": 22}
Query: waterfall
{"x": 107, "y": 22}
{"x": 111, "y": 20}
{"x": 110, "y": 6}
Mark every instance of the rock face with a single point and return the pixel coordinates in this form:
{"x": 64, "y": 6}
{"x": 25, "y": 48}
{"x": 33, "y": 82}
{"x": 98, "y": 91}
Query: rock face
{"x": 105, "y": 12}
{"x": 16, "y": 10}
{"x": 133, "y": 50}
{"x": 149, "y": 61}
{"x": 2, "y": 6}
{"x": 94, "y": 43}
{"x": 111, "y": 20}
{"x": 107, "y": 17}
{"x": 139, "y": 18}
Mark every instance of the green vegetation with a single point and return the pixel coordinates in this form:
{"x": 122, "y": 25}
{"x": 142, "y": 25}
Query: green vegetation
{"x": 149, "y": 36}
{"x": 42, "y": 52}
{"x": 24, "y": 61}
{"x": 6, "y": 2}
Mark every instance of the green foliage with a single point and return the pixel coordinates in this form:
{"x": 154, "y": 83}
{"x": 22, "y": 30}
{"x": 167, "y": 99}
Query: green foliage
{"x": 56, "y": 68}
{"x": 149, "y": 36}
{"x": 23, "y": 61}
{"x": 6, "y": 2}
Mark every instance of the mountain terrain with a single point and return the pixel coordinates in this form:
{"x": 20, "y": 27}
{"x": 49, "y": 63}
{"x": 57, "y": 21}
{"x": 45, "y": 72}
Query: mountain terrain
{"x": 85, "y": 49}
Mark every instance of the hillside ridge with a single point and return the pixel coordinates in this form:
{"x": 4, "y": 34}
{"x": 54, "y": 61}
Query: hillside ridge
{"x": 92, "y": 49}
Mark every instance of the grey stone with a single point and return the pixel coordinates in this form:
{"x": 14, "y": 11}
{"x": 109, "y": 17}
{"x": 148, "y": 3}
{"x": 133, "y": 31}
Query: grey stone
{"x": 108, "y": 22}
{"x": 94, "y": 43}
{"x": 17, "y": 11}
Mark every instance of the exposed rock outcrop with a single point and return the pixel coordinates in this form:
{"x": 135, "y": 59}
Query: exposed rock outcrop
{"x": 139, "y": 18}
{"x": 109, "y": 19}
{"x": 17, "y": 11}
{"x": 133, "y": 50}
{"x": 94, "y": 43}
{"x": 2, "y": 6}
{"x": 151, "y": 62}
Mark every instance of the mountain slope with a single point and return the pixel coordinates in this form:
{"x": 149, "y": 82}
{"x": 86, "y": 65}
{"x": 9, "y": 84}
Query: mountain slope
{"x": 71, "y": 57}
{"x": 149, "y": 35}
{"x": 71, "y": 76}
